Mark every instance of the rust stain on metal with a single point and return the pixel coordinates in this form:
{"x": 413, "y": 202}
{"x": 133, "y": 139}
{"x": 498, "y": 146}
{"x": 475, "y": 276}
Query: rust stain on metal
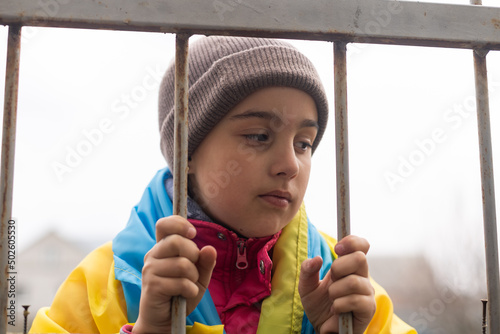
{"x": 496, "y": 23}
{"x": 345, "y": 325}
{"x": 344, "y": 322}
{"x": 356, "y": 17}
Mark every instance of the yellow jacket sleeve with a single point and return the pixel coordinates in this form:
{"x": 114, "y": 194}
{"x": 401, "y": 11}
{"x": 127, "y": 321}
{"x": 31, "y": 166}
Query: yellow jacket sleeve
{"x": 198, "y": 328}
{"x": 89, "y": 301}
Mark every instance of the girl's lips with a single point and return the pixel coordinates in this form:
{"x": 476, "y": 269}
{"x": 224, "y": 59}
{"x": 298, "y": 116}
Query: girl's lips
{"x": 275, "y": 200}
{"x": 279, "y": 199}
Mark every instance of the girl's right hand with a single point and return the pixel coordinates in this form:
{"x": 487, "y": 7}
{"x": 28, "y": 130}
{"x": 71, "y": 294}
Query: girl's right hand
{"x": 173, "y": 267}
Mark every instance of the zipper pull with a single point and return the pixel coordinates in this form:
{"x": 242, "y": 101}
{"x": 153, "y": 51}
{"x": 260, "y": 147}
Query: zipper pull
{"x": 241, "y": 252}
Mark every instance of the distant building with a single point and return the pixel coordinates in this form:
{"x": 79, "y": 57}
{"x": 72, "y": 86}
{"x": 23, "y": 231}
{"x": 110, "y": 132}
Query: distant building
{"x": 422, "y": 301}
{"x": 41, "y": 268}
{"x": 408, "y": 280}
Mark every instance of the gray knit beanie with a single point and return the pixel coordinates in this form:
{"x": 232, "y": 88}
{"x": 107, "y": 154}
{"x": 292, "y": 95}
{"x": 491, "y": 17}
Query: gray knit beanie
{"x": 225, "y": 70}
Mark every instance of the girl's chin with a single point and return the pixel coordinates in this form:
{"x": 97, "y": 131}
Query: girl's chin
{"x": 266, "y": 224}
{"x": 263, "y": 232}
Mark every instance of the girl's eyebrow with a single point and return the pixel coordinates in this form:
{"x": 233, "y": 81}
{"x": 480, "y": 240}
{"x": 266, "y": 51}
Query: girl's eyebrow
{"x": 309, "y": 123}
{"x": 256, "y": 114}
{"x": 272, "y": 116}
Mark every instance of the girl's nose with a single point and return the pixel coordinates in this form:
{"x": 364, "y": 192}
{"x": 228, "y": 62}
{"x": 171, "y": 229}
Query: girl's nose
{"x": 285, "y": 162}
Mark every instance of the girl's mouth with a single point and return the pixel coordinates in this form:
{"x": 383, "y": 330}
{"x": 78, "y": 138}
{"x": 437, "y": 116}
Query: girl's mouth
{"x": 277, "y": 198}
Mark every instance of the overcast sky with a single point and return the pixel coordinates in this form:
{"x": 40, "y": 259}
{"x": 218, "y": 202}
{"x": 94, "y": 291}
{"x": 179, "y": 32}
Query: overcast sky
{"x": 88, "y": 143}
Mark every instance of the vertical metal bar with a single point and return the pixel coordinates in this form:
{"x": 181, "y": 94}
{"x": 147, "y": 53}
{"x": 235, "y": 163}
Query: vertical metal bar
{"x": 7, "y": 162}
{"x": 25, "y": 314}
{"x": 484, "y": 323}
{"x": 341, "y": 140}
{"x": 488, "y": 190}
{"x": 180, "y": 158}
{"x": 342, "y": 158}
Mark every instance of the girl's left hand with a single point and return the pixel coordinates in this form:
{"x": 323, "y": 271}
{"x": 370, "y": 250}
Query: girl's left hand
{"x": 345, "y": 288}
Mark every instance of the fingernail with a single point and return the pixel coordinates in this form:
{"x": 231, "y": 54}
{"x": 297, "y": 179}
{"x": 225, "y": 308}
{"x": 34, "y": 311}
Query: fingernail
{"x": 339, "y": 249}
{"x": 191, "y": 233}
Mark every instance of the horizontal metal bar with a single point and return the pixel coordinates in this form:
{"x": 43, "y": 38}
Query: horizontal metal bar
{"x": 368, "y": 21}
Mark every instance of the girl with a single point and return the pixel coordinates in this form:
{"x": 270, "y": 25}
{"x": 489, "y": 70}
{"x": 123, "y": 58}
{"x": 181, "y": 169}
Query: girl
{"x": 246, "y": 258}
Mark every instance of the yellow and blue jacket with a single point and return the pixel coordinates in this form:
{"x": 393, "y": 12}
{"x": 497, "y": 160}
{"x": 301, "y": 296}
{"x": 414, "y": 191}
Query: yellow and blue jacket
{"x": 102, "y": 294}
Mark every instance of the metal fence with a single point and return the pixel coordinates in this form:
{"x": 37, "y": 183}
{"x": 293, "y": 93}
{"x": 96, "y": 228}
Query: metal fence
{"x": 418, "y": 24}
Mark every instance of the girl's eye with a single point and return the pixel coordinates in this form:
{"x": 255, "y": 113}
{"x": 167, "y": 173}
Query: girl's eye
{"x": 303, "y": 146}
{"x": 257, "y": 137}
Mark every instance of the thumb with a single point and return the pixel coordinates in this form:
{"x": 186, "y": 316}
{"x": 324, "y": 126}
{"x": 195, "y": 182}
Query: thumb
{"x": 206, "y": 264}
{"x": 309, "y": 275}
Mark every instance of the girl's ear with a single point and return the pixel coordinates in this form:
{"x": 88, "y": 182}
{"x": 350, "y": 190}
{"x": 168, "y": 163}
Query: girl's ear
{"x": 191, "y": 165}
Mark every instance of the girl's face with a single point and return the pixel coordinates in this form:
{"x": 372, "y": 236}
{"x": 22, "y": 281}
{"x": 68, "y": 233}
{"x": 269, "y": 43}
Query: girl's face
{"x": 251, "y": 172}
